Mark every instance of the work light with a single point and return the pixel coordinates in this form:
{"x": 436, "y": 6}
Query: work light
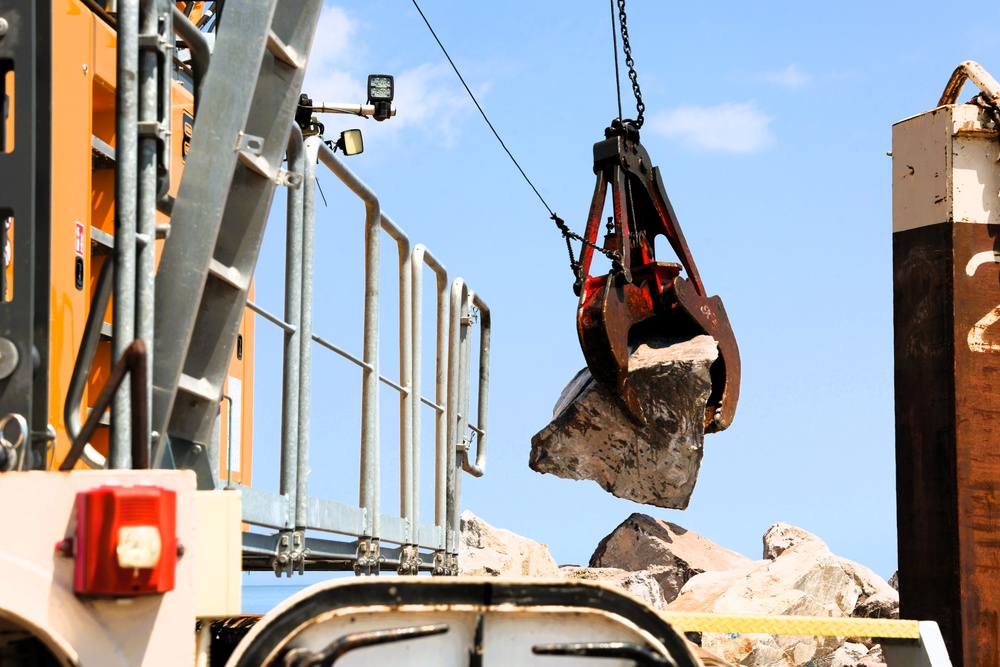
{"x": 380, "y": 93}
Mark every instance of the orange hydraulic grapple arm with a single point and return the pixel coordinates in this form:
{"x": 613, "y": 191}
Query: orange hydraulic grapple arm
{"x": 641, "y": 298}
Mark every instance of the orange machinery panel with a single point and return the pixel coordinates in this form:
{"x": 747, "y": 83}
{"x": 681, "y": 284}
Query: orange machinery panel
{"x": 83, "y": 106}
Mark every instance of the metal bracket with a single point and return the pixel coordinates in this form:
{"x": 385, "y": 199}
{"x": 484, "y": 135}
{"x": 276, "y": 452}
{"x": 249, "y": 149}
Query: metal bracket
{"x": 153, "y": 129}
{"x": 445, "y": 564}
{"x": 153, "y": 42}
{"x": 290, "y": 553}
{"x": 368, "y": 558}
{"x": 249, "y": 147}
{"x": 409, "y": 560}
{"x": 249, "y": 143}
{"x": 289, "y": 179}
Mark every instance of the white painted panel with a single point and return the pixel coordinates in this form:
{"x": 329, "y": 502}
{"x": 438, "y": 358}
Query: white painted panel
{"x": 944, "y": 169}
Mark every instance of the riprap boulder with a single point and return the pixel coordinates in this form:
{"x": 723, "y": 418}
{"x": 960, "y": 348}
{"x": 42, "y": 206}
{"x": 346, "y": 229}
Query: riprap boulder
{"x": 591, "y": 435}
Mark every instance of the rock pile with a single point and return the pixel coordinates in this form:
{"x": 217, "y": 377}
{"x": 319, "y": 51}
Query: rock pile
{"x": 591, "y": 436}
{"x": 798, "y": 576}
{"x": 673, "y": 569}
{"x": 487, "y": 551}
{"x": 669, "y": 553}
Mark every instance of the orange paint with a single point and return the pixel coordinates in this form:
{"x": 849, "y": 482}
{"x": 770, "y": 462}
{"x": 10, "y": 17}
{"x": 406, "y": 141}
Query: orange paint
{"x": 83, "y": 103}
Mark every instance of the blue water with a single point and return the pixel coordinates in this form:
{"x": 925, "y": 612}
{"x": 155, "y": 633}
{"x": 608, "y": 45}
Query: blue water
{"x": 262, "y": 591}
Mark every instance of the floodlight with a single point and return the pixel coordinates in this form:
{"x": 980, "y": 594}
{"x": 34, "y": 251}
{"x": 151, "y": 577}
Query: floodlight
{"x": 380, "y": 94}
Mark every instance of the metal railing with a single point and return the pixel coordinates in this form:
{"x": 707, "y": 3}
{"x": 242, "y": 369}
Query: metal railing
{"x": 295, "y": 513}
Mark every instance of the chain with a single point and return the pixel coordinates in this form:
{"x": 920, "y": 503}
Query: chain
{"x": 615, "y": 257}
{"x": 639, "y": 106}
{"x": 570, "y": 235}
{"x": 987, "y": 104}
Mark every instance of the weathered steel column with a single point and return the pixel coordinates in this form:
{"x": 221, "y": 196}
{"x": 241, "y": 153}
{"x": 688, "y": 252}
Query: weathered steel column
{"x": 946, "y": 279}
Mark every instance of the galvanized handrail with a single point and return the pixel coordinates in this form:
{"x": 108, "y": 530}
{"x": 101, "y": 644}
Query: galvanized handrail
{"x": 422, "y": 256}
{"x": 294, "y": 509}
{"x": 478, "y": 468}
{"x": 292, "y": 468}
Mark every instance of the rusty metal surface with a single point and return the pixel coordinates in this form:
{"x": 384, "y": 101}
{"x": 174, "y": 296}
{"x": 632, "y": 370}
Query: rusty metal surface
{"x": 947, "y": 354}
{"x": 338, "y": 648}
{"x": 641, "y": 297}
{"x": 638, "y": 654}
{"x": 969, "y": 71}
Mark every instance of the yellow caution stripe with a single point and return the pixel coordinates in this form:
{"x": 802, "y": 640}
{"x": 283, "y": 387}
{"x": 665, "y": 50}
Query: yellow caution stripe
{"x": 814, "y": 626}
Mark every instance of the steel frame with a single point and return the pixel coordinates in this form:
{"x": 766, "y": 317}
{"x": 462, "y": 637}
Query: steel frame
{"x": 25, "y": 172}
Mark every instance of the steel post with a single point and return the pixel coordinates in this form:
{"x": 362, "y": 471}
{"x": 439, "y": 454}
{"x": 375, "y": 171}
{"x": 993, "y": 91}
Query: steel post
{"x": 153, "y": 17}
{"x": 291, "y": 352}
{"x": 126, "y": 179}
{"x": 369, "y": 494}
{"x": 456, "y": 419}
{"x": 423, "y": 256}
{"x": 312, "y": 148}
{"x": 408, "y": 464}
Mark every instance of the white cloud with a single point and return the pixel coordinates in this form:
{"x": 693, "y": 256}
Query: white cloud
{"x": 428, "y": 96}
{"x": 735, "y": 128}
{"x": 790, "y": 77}
{"x": 334, "y": 36}
{"x": 328, "y": 76}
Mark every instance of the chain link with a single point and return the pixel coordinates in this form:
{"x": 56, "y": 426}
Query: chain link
{"x": 574, "y": 265}
{"x": 988, "y": 105}
{"x": 639, "y": 106}
{"x": 615, "y": 257}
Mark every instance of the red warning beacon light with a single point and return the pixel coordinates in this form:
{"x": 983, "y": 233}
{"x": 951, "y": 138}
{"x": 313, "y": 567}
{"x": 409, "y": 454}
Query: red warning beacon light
{"x": 126, "y": 541}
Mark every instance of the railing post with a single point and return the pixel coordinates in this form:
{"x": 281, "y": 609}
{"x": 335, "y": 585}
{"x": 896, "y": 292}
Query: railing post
{"x": 478, "y": 468}
{"x": 312, "y": 147}
{"x": 423, "y": 256}
{"x": 126, "y": 178}
{"x": 369, "y": 487}
{"x": 291, "y": 352}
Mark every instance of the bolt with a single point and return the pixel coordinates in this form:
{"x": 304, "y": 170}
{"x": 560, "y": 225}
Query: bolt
{"x": 64, "y": 547}
{"x": 85, "y": 68}
{"x": 181, "y": 550}
{"x": 4, "y": 26}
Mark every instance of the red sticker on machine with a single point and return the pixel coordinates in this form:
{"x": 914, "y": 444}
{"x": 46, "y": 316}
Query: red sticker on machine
{"x": 79, "y": 239}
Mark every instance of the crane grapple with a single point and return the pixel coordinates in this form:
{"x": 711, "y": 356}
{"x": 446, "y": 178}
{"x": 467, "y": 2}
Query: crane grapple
{"x": 641, "y": 298}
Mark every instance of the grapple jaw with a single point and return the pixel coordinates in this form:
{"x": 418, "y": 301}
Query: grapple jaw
{"x": 640, "y": 297}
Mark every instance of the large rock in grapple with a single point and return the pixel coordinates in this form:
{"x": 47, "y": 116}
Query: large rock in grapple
{"x": 592, "y": 436}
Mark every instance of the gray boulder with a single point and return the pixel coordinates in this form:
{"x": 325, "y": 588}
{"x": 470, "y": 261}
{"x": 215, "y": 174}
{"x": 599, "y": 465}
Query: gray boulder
{"x": 802, "y": 578}
{"x": 591, "y": 436}
{"x": 639, "y": 584}
{"x": 671, "y": 554}
{"x": 487, "y": 551}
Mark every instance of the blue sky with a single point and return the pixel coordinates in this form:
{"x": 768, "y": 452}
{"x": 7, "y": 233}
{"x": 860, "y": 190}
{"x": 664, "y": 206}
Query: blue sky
{"x": 770, "y": 123}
